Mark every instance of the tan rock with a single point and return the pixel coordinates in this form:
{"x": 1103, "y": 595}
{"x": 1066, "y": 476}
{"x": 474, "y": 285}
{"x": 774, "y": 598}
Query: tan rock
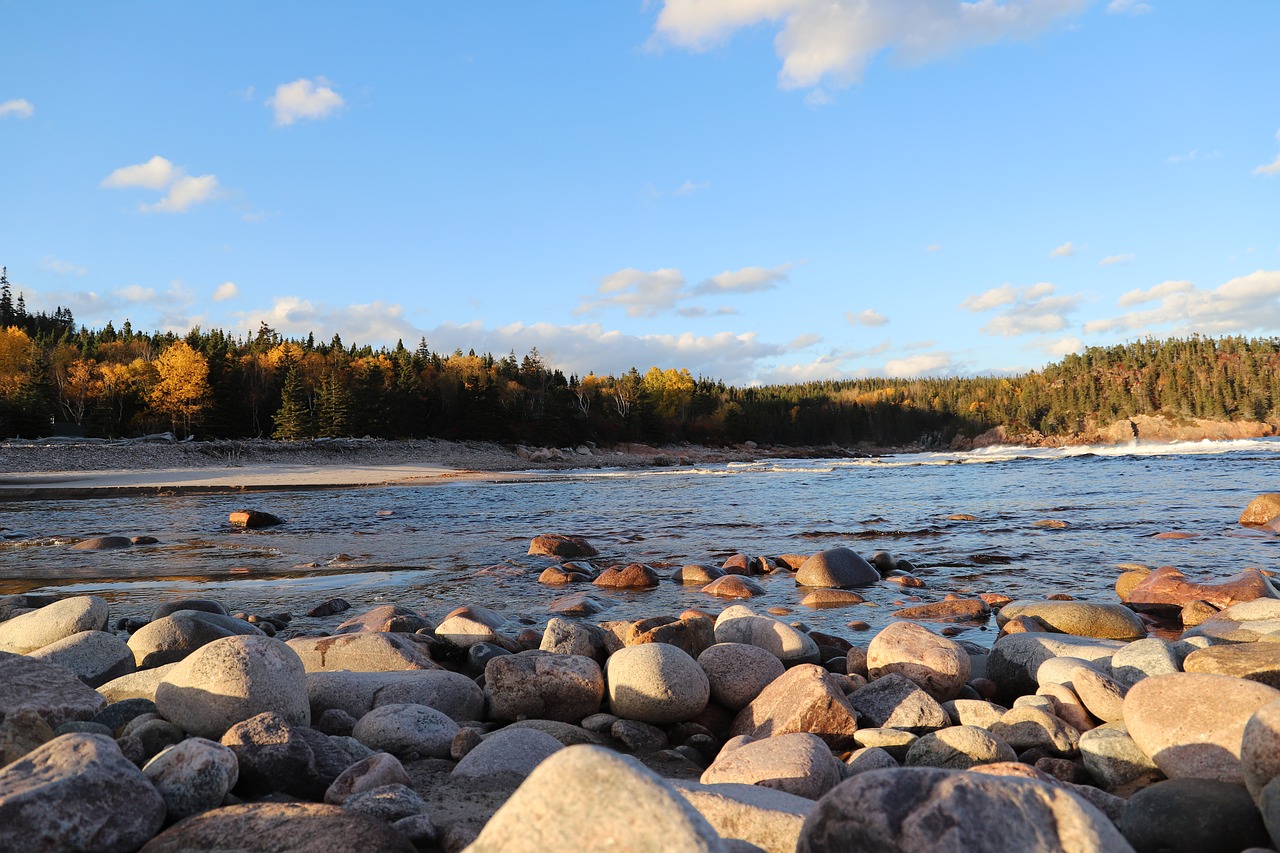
{"x": 371, "y": 651}
{"x": 797, "y": 763}
{"x": 633, "y": 576}
{"x": 559, "y": 545}
{"x": 1255, "y": 661}
{"x": 1079, "y": 618}
{"x": 1261, "y": 510}
{"x": 802, "y": 699}
{"x": 938, "y": 665}
{"x": 279, "y": 827}
{"x": 734, "y": 586}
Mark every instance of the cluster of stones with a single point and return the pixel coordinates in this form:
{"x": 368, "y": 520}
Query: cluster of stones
{"x": 720, "y": 732}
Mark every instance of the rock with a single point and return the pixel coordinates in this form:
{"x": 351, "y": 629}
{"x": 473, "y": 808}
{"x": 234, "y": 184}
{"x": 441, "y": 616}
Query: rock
{"x": 559, "y": 807}
{"x": 1258, "y": 662}
{"x": 937, "y": 665}
{"x": 233, "y": 679}
{"x": 1028, "y": 728}
{"x": 577, "y": 604}
{"x": 734, "y": 586}
{"x": 96, "y": 657}
{"x": 466, "y": 626}
{"x": 1246, "y": 622}
{"x": 837, "y": 568}
{"x": 950, "y": 610}
{"x": 1193, "y": 816}
{"x": 869, "y": 758}
{"x": 153, "y": 736}
{"x": 539, "y": 685}
{"x": 560, "y": 575}
{"x": 566, "y": 733}
{"x": 639, "y": 738}
{"x": 797, "y": 763}
{"x": 77, "y": 793}
{"x": 656, "y": 683}
{"x": 54, "y": 692}
{"x": 388, "y": 803}
{"x": 738, "y": 672}
{"x": 21, "y": 732}
{"x": 1079, "y": 618}
{"x": 59, "y": 620}
{"x": 633, "y": 576}
{"x": 367, "y": 651}
{"x": 822, "y": 599}
{"x": 973, "y": 712}
{"x": 253, "y": 519}
{"x": 958, "y": 748}
{"x": 172, "y": 638}
{"x": 691, "y": 634}
{"x": 1015, "y": 658}
{"x": 357, "y": 693}
{"x": 507, "y": 753}
{"x": 280, "y": 828}
{"x": 419, "y": 829}
{"x": 926, "y": 809}
{"x": 1260, "y": 748}
{"x": 738, "y": 624}
{"x": 385, "y": 618}
{"x": 1166, "y": 587}
{"x": 1143, "y": 658}
{"x": 1113, "y": 759}
{"x": 697, "y": 574}
{"x": 801, "y": 700}
{"x": 103, "y": 543}
{"x": 381, "y": 768}
{"x": 769, "y": 819}
{"x": 558, "y": 545}
{"x": 193, "y": 776}
{"x": 740, "y": 564}
{"x": 895, "y": 702}
{"x": 405, "y": 729}
{"x": 136, "y": 685}
{"x": 896, "y": 742}
{"x": 1192, "y": 724}
{"x": 1102, "y": 696}
{"x": 1261, "y": 511}
{"x": 1066, "y": 706}
{"x": 563, "y": 637}
{"x": 275, "y": 756}
{"x": 203, "y": 605}
{"x": 332, "y": 607}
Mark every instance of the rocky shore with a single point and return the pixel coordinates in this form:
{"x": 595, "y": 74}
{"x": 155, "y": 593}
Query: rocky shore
{"x": 1079, "y": 730}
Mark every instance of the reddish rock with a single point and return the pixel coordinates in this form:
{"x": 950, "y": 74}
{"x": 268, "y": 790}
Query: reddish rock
{"x": 792, "y": 562}
{"x": 252, "y": 518}
{"x": 385, "y": 618}
{"x": 1261, "y": 510}
{"x": 950, "y": 610}
{"x": 823, "y": 598}
{"x": 634, "y": 576}
{"x": 694, "y": 635}
{"x": 995, "y": 599}
{"x": 1175, "y": 534}
{"x": 803, "y": 699}
{"x": 740, "y": 564}
{"x": 1166, "y": 587}
{"x": 937, "y": 665}
{"x": 558, "y": 576}
{"x": 557, "y": 545}
{"x": 905, "y": 580}
{"x": 734, "y": 586}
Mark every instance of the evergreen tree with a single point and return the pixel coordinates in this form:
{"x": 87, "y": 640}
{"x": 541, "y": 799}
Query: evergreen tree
{"x": 293, "y": 418}
{"x": 333, "y": 406}
{"x": 6, "y": 300}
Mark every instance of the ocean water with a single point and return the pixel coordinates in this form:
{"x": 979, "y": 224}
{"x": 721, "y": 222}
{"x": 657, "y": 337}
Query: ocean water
{"x": 438, "y": 546}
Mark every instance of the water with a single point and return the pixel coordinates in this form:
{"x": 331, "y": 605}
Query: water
{"x": 457, "y": 542}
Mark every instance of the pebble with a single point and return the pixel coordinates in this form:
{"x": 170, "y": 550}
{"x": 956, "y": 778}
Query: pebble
{"x": 507, "y": 753}
{"x": 387, "y": 803}
{"x": 381, "y": 768}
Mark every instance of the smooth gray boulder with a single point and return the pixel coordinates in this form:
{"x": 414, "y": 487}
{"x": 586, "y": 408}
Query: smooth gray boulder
{"x": 940, "y": 667}
{"x": 405, "y": 729}
{"x": 96, "y": 657}
{"x": 836, "y": 568}
{"x": 656, "y": 683}
{"x": 1113, "y": 759}
{"x": 738, "y": 672}
{"x": 540, "y": 685}
{"x": 172, "y": 638}
{"x": 507, "y": 753}
{"x": 365, "y": 651}
{"x": 739, "y": 624}
{"x": 193, "y": 776}
{"x": 1193, "y": 816}
{"x": 59, "y": 620}
{"x": 958, "y": 748}
{"x": 358, "y": 693}
{"x": 54, "y": 692}
{"x": 1102, "y": 620}
{"x": 797, "y": 763}
{"x": 1015, "y": 658}
{"x": 767, "y": 818}
{"x": 895, "y": 702}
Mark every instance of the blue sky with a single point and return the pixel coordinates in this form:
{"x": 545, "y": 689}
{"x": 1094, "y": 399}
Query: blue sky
{"x": 757, "y": 190}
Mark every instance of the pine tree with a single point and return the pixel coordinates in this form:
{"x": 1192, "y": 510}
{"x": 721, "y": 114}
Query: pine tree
{"x": 293, "y": 418}
{"x": 333, "y": 406}
{"x": 6, "y": 300}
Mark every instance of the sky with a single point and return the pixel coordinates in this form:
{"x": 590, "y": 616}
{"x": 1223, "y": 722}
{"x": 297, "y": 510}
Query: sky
{"x": 756, "y": 190}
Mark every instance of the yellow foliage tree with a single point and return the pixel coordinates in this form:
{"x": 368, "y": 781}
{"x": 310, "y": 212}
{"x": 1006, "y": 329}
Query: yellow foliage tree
{"x": 181, "y": 391}
{"x": 16, "y": 351}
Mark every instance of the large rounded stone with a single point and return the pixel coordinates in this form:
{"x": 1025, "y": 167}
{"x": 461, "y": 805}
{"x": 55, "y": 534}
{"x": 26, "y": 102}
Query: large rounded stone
{"x": 280, "y": 828}
{"x": 50, "y": 690}
{"x": 837, "y": 568}
{"x": 405, "y": 729}
{"x": 1261, "y": 510}
{"x": 367, "y": 651}
{"x": 539, "y": 685}
{"x": 1113, "y": 759}
{"x": 1193, "y": 816}
{"x": 769, "y": 819}
{"x": 1260, "y": 748}
{"x": 939, "y": 666}
{"x": 61, "y": 619}
{"x": 894, "y": 702}
{"x": 507, "y": 753}
{"x": 1192, "y": 724}
{"x": 193, "y": 776}
{"x": 385, "y": 618}
{"x": 559, "y": 545}
{"x": 560, "y": 807}
{"x": 357, "y": 693}
{"x": 96, "y": 657}
{"x": 206, "y": 605}
{"x": 656, "y": 683}
{"x": 1079, "y": 618}
{"x": 738, "y": 672}
{"x": 958, "y": 748}
{"x": 1015, "y": 658}
{"x": 1143, "y": 658}
{"x": 233, "y": 679}
{"x": 275, "y": 756}
{"x": 739, "y": 624}
{"x": 797, "y": 763}
{"x": 1026, "y": 728}
{"x": 171, "y": 638}
{"x": 803, "y": 699}
{"x": 917, "y": 809}
{"x": 1255, "y": 661}
{"x": 77, "y": 793}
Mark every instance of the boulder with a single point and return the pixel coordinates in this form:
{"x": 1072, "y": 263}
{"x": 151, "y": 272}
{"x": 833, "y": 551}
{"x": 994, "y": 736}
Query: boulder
{"x": 1166, "y": 588}
{"x": 539, "y": 685}
{"x": 381, "y": 768}
{"x": 559, "y": 545}
{"x": 507, "y": 753}
{"x": 253, "y": 519}
{"x": 837, "y": 568}
{"x": 958, "y": 748}
{"x": 357, "y": 693}
{"x": 1192, "y": 724}
{"x": 973, "y": 712}
{"x": 388, "y": 803}
{"x": 1246, "y": 622}
{"x": 386, "y": 618}
{"x": 937, "y": 665}
{"x": 331, "y": 607}
{"x": 1015, "y": 658}
{"x": 656, "y": 683}
{"x": 1026, "y": 728}
{"x": 103, "y": 543}
{"x": 96, "y": 657}
{"x": 1114, "y": 760}
{"x": 738, "y": 624}
{"x": 467, "y": 626}
{"x": 1261, "y": 511}
{"x": 920, "y": 809}
{"x": 797, "y": 763}
{"x": 193, "y": 776}
{"x": 367, "y": 651}
{"x": 869, "y": 758}
{"x": 734, "y": 586}
{"x": 893, "y": 701}
{"x": 738, "y": 672}
{"x": 561, "y": 807}
{"x": 233, "y": 679}
{"x": 896, "y": 742}
{"x": 280, "y": 828}
{"x": 691, "y": 634}
{"x": 633, "y": 576}
{"x": 1193, "y": 816}
{"x": 22, "y": 731}
{"x": 172, "y": 638}
{"x": 136, "y": 685}
{"x": 1260, "y": 748}
{"x": 1079, "y": 618}
{"x": 1255, "y": 661}
{"x": 61, "y": 619}
{"x": 769, "y": 819}
{"x": 1143, "y": 658}
{"x": 275, "y": 756}
{"x": 697, "y": 574}
{"x": 949, "y": 610}
{"x": 77, "y": 793}
{"x": 803, "y": 699}
{"x": 54, "y": 692}
{"x": 405, "y": 729}
{"x": 563, "y": 637}
{"x": 824, "y": 599}
{"x": 204, "y": 605}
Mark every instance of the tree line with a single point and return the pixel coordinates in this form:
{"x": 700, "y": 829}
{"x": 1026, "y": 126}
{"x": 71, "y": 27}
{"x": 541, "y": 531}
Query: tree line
{"x": 108, "y": 382}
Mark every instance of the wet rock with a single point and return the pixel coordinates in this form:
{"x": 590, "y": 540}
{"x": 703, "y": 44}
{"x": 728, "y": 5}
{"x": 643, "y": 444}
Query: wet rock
{"x": 507, "y": 753}
{"x": 559, "y": 545}
{"x": 937, "y": 665}
{"x": 738, "y": 672}
{"x": 797, "y": 763}
{"x": 539, "y": 685}
{"x": 769, "y": 819}
{"x": 577, "y": 604}
{"x": 951, "y": 610}
{"x": 367, "y": 651}
{"x": 1114, "y": 760}
{"x": 559, "y": 808}
{"x": 801, "y": 700}
{"x": 53, "y": 622}
{"x": 77, "y": 793}
{"x": 822, "y": 599}
{"x": 274, "y": 755}
{"x": 357, "y": 693}
{"x": 233, "y": 679}
{"x": 388, "y": 803}
{"x": 958, "y": 748}
{"x": 52, "y": 691}
{"x": 837, "y": 568}
{"x": 656, "y": 683}
{"x": 1246, "y": 622}
{"x": 559, "y": 576}
{"x": 203, "y": 605}
{"x": 734, "y": 586}
{"x": 332, "y": 607}
{"x": 1255, "y": 661}
{"x": 1192, "y": 724}
{"x": 381, "y": 768}
{"x": 405, "y": 729}
{"x": 193, "y": 776}
{"x": 926, "y": 809}
{"x": 280, "y": 827}
{"x": 385, "y": 618}
{"x": 633, "y": 576}
{"x": 893, "y": 701}
{"x": 1166, "y": 587}
{"x": 1193, "y": 816}
{"x": 1262, "y": 510}
{"x": 96, "y": 657}
{"x": 1079, "y": 618}
{"x": 738, "y": 624}
{"x": 253, "y": 519}
{"x": 103, "y": 543}
{"x": 172, "y": 638}
{"x": 697, "y": 574}
{"x": 741, "y": 564}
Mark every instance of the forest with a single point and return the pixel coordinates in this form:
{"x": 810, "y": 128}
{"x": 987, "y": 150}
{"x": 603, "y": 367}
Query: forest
{"x": 57, "y": 377}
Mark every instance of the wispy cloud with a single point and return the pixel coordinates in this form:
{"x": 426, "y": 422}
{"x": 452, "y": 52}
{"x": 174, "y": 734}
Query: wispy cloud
{"x": 869, "y": 317}
{"x": 1066, "y": 250}
{"x": 1110, "y": 260}
{"x": 184, "y": 191}
{"x": 690, "y": 187}
{"x": 1244, "y": 304}
{"x": 745, "y": 280}
{"x": 921, "y": 364}
{"x": 61, "y": 267}
{"x": 1192, "y": 155}
{"x": 829, "y": 43}
{"x": 1128, "y": 7}
{"x": 1031, "y": 310}
{"x": 18, "y": 108}
{"x": 304, "y": 99}
{"x": 1272, "y": 168}
{"x": 933, "y": 247}
{"x": 226, "y": 290}
{"x": 643, "y": 293}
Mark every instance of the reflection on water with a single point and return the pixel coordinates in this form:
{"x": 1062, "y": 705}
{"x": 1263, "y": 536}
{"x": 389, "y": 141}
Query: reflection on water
{"x": 426, "y": 546}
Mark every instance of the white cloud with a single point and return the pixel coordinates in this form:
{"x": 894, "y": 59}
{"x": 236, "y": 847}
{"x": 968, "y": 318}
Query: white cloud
{"x": 1058, "y": 347}
{"x": 304, "y": 99}
{"x": 745, "y": 280}
{"x": 690, "y": 187}
{"x": 61, "y": 267}
{"x": 993, "y": 298}
{"x": 869, "y": 317}
{"x": 158, "y": 173}
{"x": 830, "y": 42}
{"x": 642, "y": 294}
{"x": 136, "y": 293}
{"x": 1249, "y": 303}
{"x": 1272, "y": 168}
{"x": 1109, "y": 260}
{"x": 18, "y": 107}
{"x": 226, "y": 290}
{"x": 804, "y": 341}
{"x": 1128, "y": 7}
{"x": 923, "y": 364}
{"x": 1034, "y": 309}
{"x": 1066, "y": 250}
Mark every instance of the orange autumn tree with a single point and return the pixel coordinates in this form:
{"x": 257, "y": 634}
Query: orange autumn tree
{"x": 181, "y": 391}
